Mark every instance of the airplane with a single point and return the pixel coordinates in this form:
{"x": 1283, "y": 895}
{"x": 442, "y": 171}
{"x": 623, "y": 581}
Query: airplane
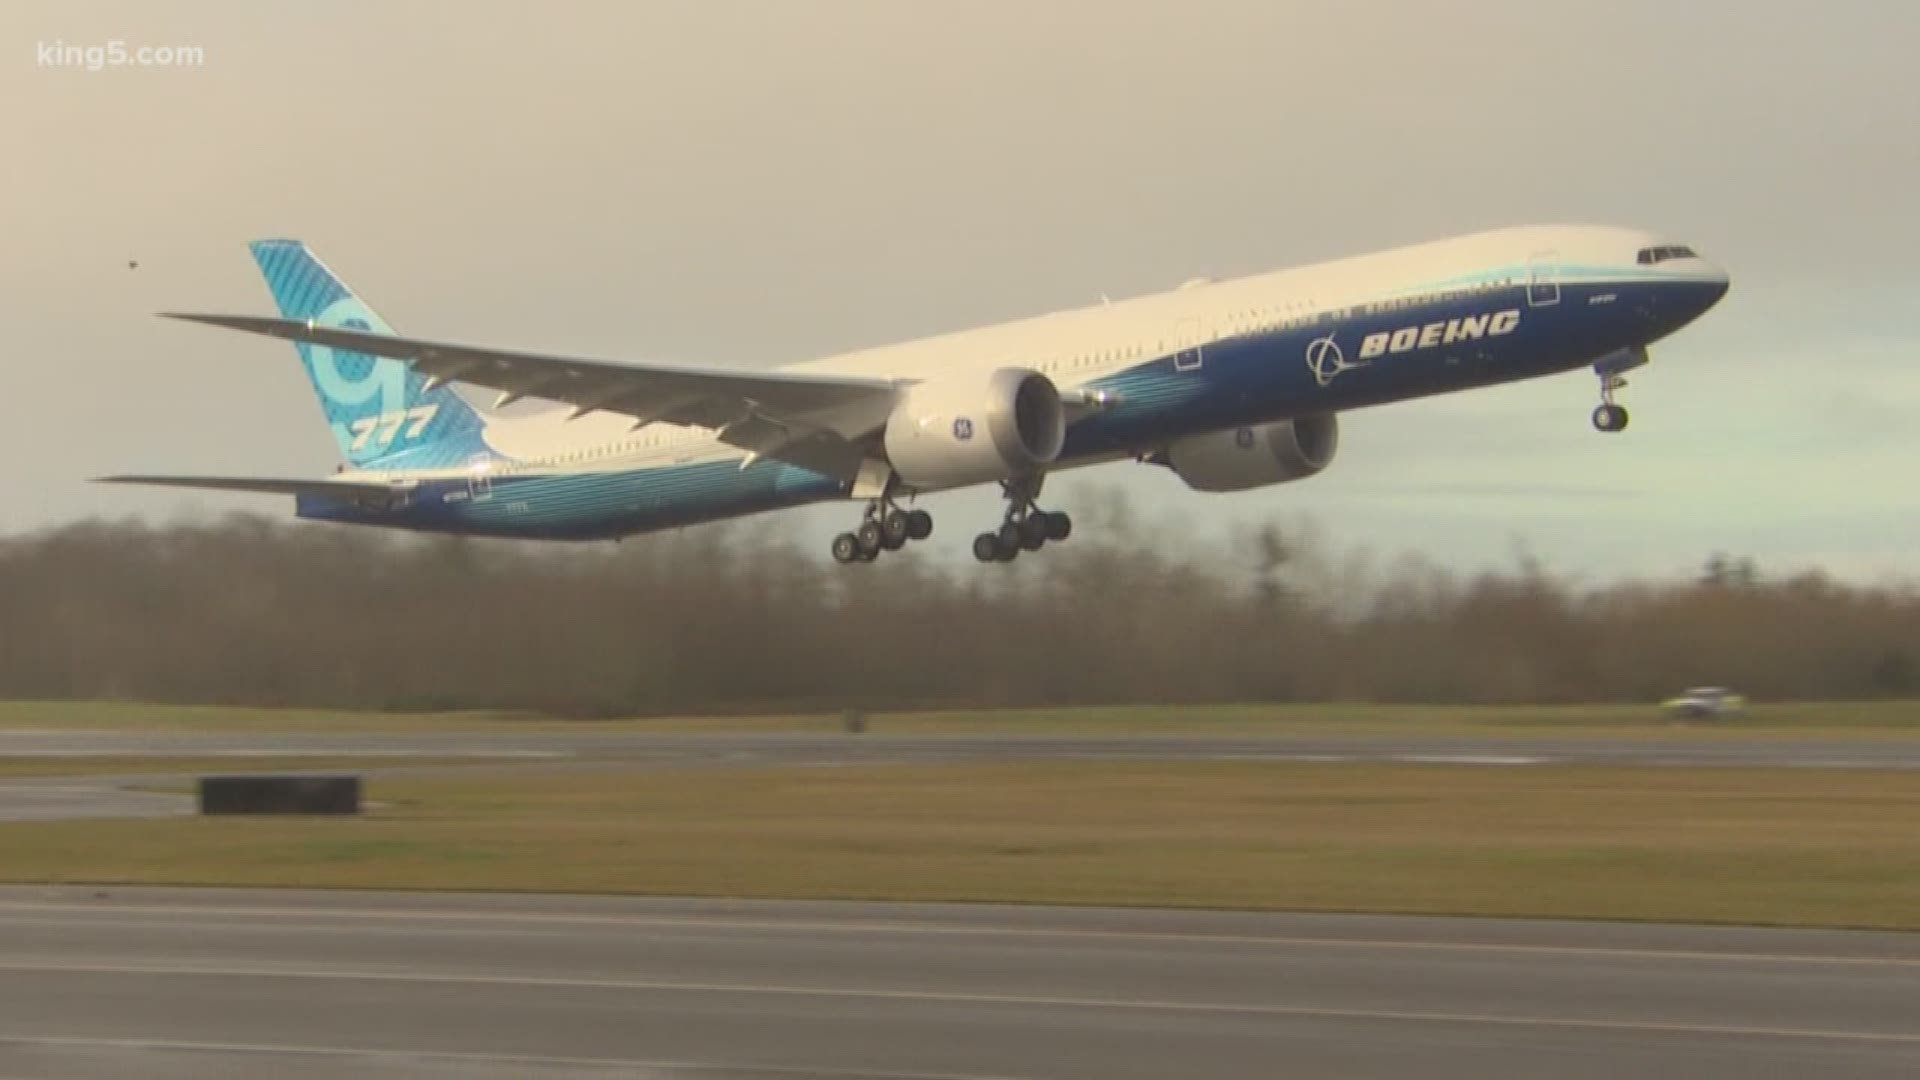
{"x": 1230, "y": 385}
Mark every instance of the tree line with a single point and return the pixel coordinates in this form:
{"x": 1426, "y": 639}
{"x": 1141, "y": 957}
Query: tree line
{"x": 741, "y": 616}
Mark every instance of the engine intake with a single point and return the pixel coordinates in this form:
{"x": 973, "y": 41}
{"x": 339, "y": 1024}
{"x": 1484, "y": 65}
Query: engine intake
{"x": 970, "y": 430}
{"x": 1241, "y": 458}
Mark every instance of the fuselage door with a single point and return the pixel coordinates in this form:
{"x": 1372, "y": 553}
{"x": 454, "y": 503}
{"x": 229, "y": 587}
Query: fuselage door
{"x": 1187, "y": 339}
{"x": 1543, "y": 279}
{"x": 480, "y": 478}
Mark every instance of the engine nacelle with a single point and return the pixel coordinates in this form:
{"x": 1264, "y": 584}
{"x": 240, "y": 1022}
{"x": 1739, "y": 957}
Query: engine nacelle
{"x": 970, "y": 429}
{"x": 1251, "y": 457}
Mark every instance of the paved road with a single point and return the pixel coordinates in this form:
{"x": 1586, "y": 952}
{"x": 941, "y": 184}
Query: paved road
{"x": 1704, "y": 748}
{"x": 102, "y": 797}
{"x": 157, "y": 983}
{"x": 74, "y": 798}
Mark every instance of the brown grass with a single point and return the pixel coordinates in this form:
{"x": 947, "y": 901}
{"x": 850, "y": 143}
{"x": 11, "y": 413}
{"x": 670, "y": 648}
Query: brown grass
{"x": 1799, "y": 847}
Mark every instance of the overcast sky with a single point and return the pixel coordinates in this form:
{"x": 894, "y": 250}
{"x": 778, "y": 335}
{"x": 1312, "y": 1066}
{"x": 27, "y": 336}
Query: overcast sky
{"x": 756, "y": 183}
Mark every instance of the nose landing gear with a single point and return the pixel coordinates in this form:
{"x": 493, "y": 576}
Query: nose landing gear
{"x": 1610, "y": 416}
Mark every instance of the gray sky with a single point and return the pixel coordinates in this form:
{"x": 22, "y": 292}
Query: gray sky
{"x": 753, "y": 183}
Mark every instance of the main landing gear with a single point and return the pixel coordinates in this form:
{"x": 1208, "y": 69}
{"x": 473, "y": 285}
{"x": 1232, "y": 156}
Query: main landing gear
{"x": 1025, "y": 528}
{"x": 1609, "y": 417}
{"x": 885, "y": 527}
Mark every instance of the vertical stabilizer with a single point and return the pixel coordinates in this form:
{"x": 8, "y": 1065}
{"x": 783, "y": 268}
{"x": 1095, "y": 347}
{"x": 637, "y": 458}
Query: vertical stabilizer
{"x": 384, "y": 414}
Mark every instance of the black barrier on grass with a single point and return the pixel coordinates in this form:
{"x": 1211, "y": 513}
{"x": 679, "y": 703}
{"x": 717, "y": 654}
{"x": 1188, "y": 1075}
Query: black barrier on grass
{"x": 279, "y": 795}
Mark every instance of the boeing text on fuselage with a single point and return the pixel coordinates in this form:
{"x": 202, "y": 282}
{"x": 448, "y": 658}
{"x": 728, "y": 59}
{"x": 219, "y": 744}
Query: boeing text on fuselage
{"x": 1434, "y": 334}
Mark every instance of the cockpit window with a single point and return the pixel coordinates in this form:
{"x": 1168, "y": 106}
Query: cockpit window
{"x": 1653, "y": 255}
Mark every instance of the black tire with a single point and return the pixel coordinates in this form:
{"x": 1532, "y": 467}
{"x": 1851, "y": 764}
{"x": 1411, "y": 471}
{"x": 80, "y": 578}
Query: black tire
{"x": 895, "y": 530}
{"x": 846, "y": 548}
{"x": 1006, "y": 542}
{"x": 871, "y": 539}
{"x": 1059, "y": 526}
{"x": 919, "y": 525}
{"x": 986, "y": 547}
{"x": 1033, "y": 531}
{"x": 1610, "y": 418}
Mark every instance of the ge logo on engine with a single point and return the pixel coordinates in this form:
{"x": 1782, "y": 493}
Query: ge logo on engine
{"x": 962, "y": 428}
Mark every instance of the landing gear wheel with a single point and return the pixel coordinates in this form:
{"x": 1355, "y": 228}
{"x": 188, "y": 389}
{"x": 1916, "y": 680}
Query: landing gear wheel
{"x": 986, "y": 547}
{"x": 895, "y": 530}
{"x": 1006, "y": 542}
{"x": 1610, "y": 418}
{"x": 871, "y": 539}
{"x": 919, "y": 524}
{"x": 1059, "y": 525}
{"x": 846, "y": 548}
{"x": 1033, "y": 531}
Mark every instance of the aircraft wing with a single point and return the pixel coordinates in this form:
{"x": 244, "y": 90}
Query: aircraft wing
{"x": 344, "y": 490}
{"x": 816, "y": 421}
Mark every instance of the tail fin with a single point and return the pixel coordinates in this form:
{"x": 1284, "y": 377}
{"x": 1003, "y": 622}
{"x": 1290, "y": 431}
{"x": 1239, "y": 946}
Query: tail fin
{"x": 383, "y": 413}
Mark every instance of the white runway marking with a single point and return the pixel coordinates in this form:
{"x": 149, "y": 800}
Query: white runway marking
{"x": 455, "y": 1057}
{"x": 161, "y": 752}
{"x": 1469, "y": 759}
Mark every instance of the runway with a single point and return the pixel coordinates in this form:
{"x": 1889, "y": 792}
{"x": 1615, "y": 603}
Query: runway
{"x": 160, "y": 983}
{"x": 76, "y": 798}
{"x": 390, "y": 753}
{"x": 1690, "y": 748}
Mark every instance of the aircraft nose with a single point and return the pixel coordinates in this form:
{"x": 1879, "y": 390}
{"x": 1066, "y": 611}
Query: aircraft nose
{"x": 1718, "y": 282}
{"x": 1679, "y": 302}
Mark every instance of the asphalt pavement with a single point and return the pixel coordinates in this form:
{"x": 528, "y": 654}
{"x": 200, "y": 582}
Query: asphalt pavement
{"x": 1702, "y": 747}
{"x": 392, "y": 753}
{"x": 189, "y": 983}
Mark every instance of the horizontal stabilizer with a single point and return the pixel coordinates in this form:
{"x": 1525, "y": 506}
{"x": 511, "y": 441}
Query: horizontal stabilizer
{"x": 344, "y": 490}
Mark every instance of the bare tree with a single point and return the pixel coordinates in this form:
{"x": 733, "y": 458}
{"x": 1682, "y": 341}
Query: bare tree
{"x": 738, "y": 617}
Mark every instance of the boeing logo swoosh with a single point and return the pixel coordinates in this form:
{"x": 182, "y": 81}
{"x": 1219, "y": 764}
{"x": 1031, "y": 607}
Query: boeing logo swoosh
{"x": 1325, "y": 360}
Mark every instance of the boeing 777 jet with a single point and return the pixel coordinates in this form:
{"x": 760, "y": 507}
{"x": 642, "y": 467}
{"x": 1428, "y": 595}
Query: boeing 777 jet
{"x": 1230, "y": 385}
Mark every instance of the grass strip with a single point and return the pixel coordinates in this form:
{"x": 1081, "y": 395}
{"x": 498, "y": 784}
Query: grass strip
{"x": 1763, "y": 846}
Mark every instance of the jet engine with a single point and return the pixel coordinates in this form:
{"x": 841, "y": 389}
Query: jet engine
{"x": 1242, "y": 458}
{"x": 970, "y": 429}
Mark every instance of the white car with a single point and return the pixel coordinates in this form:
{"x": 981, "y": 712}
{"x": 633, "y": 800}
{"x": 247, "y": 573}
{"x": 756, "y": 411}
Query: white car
{"x": 1705, "y": 703}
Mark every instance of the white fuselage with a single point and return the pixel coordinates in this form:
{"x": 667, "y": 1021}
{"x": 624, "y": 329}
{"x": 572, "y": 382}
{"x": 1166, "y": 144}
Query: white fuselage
{"x": 1153, "y": 373}
{"x": 1078, "y": 347}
